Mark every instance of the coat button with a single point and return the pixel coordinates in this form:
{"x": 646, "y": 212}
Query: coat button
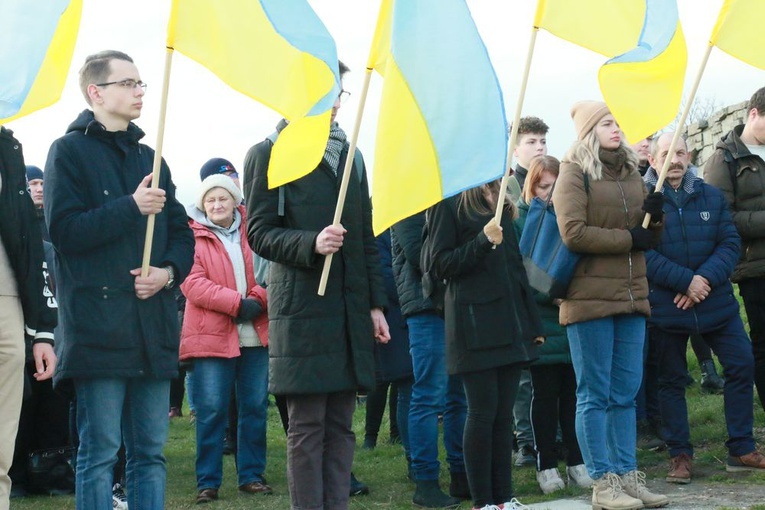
{"x": 106, "y": 192}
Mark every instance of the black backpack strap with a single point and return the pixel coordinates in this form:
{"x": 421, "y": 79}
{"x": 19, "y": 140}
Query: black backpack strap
{"x": 586, "y": 182}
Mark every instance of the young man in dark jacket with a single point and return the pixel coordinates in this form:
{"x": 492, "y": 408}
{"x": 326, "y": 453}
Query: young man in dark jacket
{"x": 320, "y": 347}
{"x": 119, "y": 329}
{"x": 737, "y": 168}
{"x": 23, "y": 304}
{"x": 688, "y": 274}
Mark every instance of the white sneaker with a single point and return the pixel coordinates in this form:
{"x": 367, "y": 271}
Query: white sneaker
{"x": 550, "y": 480}
{"x": 578, "y": 475}
{"x": 487, "y": 507}
{"x": 119, "y": 501}
{"x": 514, "y": 504}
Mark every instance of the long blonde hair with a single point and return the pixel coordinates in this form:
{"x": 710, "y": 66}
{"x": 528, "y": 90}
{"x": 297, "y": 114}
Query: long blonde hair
{"x": 585, "y": 153}
{"x": 472, "y": 203}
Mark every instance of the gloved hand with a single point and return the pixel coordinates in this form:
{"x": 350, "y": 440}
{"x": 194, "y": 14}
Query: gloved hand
{"x": 248, "y": 310}
{"x": 654, "y": 205}
{"x": 493, "y": 232}
{"x": 642, "y": 239}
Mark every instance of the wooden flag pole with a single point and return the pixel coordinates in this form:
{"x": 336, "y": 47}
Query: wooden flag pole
{"x": 514, "y": 130}
{"x": 157, "y": 161}
{"x": 346, "y": 176}
{"x": 679, "y": 129}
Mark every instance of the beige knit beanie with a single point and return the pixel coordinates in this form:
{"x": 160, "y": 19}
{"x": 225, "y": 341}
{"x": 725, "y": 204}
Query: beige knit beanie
{"x": 586, "y": 114}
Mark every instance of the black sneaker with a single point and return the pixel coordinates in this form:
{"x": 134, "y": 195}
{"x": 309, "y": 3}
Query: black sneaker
{"x": 526, "y": 456}
{"x": 648, "y": 437}
{"x": 358, "y": 488}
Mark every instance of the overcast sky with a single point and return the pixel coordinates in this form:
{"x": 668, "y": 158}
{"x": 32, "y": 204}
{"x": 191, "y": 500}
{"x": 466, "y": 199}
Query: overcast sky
{"x": 207, "y": 119}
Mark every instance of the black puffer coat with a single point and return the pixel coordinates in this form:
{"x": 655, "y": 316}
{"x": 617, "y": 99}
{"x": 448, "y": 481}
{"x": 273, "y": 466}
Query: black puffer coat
{"x": 406, "y": 245}
{"x": 316, "y": 344}
{"x": 99, "y": 233}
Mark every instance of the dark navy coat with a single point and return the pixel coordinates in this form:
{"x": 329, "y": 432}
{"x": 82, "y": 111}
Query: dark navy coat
{"x": 699, "y": 237}
{"x": 98, "y": 232}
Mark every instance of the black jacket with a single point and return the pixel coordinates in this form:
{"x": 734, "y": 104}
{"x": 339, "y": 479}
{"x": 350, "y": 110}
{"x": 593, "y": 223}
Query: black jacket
{"x": 99, "y": 233}
{"x": 490, "y": 313}
{"x": 21, "y": 238}
{"x": 316, "y": 344}
{"x": 406, "y": 244}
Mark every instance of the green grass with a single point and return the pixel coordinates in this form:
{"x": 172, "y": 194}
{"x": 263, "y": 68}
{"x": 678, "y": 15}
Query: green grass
{"x": 384, "y": 469}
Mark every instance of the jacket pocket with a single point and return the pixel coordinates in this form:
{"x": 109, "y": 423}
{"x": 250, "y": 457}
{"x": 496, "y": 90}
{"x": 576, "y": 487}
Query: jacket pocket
{"x": 105, "y": 317}
{"x": 486, "y": 323}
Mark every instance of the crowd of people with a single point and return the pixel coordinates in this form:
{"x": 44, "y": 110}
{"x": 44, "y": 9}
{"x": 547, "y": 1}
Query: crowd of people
{"x": 438, "y": 310}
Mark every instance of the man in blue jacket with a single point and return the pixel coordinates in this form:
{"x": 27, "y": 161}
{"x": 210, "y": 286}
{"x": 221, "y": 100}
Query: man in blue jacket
{"x": 119, "y": 330}
{"x": 691, "y": 293}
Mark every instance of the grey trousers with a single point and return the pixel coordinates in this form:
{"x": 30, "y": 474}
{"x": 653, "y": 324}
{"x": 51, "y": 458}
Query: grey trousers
{"x": 320, "y": 444}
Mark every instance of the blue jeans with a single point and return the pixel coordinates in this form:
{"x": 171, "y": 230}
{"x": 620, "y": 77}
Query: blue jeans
{"x": 108, "y": 412}
{"x": 433, "y": 392}
{"x": 732, "y": 347}
{"x": 213, "y": 379}
{"x": 608, "y": 360}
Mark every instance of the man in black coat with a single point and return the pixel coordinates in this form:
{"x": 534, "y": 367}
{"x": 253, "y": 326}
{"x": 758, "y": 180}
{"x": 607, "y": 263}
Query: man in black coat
{"x": 23, "y": 304}
{"x": 119, "y": 330}
{"x": 320, "y": 347}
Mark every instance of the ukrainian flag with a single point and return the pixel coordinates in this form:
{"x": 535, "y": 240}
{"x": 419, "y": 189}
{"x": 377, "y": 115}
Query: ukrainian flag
{"x": 644, "y": 87}
{"x": 442, "y": 126}
{"x": 608, "y": 27}
{"x": 277, "y": 52}
{"x": 36, "y": 45}
{"x": 738, "y": 31}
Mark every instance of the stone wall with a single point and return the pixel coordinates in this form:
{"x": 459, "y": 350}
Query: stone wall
{"x": 704, "y": 135}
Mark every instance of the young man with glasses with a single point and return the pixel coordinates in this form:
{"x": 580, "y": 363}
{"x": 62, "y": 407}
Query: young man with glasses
{"x": 119, "y": 329}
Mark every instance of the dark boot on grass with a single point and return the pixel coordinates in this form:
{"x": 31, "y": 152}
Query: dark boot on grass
{"x": 710, "y": 381}
{"x": 429, "y": 495}
{"x": 459, "y": 488}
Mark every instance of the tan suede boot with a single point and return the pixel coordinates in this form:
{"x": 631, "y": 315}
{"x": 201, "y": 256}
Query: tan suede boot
{"x": 633, "y": 483}
{"x": 607, "y": 494}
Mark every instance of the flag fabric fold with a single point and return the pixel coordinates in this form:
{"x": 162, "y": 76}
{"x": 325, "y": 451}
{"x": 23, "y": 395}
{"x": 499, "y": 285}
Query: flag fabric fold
{"x": 644, "y": 86}
{"x": 277, "y": 52}
{"x": 738, "y": 31}
{"x": 39, "y": 39}
{"x": 607, "y": 27}
{"x": 442, "y": 126}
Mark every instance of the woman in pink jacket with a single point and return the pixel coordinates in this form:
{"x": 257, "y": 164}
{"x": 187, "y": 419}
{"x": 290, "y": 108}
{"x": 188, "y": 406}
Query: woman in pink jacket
{"x": 225, "y": 334}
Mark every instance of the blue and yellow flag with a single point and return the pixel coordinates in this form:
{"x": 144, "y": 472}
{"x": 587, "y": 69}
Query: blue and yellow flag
{"x": 607, "y": 27}
{"x": 644, "y": 87}
{"x": 442, "y": 126}
{"x": 36, "y": 45}
{"x": 277, "y": 52}
{"x": 738, "y": 31}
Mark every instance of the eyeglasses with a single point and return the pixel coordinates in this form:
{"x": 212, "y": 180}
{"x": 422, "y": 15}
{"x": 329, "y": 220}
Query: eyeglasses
{"x": 130, "y": 84}
{"x": 343, "y": 96}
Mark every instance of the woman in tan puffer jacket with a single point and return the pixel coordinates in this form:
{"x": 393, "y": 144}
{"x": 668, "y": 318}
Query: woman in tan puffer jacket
{"x": 600, "y": 201}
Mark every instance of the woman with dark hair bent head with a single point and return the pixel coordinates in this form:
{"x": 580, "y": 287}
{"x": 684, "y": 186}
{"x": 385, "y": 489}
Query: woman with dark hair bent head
{"x": 491, "y": 328}
{"x": 600, "y": 201}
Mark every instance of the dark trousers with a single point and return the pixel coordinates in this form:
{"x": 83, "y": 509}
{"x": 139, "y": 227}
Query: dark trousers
{"x": 320, "y": 444}
{"x": 731, "y": 345}
{"x": 647, "y": 399}
{"x": 753, "y": 293}
{"x": 553, "y": 402}
{"x": 377, "y": 399}
{"x": 488, "y": 438}
{"x": 43, "y": 424}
